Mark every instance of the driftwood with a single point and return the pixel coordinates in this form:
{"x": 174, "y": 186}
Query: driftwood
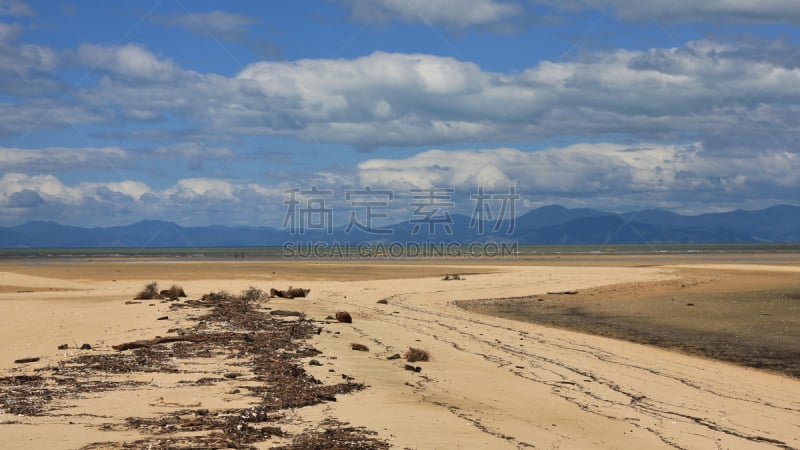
{"x": 26, "y": 360}
{"x": 280, "y": 312}
{"x": 289, "y": 293}
{"x": 156, "y": 341}
{"x": 563, "y": 293}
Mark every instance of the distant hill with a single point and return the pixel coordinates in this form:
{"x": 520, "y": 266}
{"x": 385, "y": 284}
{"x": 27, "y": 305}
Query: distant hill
{"x": 542, "y": 226}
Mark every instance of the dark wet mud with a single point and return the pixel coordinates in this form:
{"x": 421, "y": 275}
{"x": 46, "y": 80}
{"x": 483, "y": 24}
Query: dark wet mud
{"x": 748, "y": 319}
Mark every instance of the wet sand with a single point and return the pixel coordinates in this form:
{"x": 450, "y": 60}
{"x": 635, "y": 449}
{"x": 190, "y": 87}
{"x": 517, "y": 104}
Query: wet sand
{"x": 491, "y": 382}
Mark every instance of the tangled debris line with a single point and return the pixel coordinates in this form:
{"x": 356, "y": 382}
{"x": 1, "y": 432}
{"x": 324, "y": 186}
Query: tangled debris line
{"x": 32, "y": 395}
{"x": 266, "y": 350}
{"x": 337, "y": 435}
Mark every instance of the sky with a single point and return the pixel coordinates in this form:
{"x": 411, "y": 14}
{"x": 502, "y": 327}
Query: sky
{"x": 215, "y": 112}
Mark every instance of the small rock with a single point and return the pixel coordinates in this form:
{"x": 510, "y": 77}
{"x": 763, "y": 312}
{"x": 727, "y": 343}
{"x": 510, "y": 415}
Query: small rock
{"x": 314, "y": 362}
{"x": 86, "y": 347}
{"x": 344, "y": 316}
{"x": 359, "y": 347}
{"x": 395, "y": 356}
{"x": 63, "y": 346}
{"x": 163, "y": 318}
{"x": 383, "y": 301}
{"x": 412, "y": 368}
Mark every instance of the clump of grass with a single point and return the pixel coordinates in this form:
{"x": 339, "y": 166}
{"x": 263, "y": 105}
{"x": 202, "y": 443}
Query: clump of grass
{"x": 416, "y": 354}
{"x": 253, "y": 294}
{"x": 150, "y": 292}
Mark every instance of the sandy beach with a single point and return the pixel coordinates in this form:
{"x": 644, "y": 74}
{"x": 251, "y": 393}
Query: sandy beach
{"x": 491, "y": 382}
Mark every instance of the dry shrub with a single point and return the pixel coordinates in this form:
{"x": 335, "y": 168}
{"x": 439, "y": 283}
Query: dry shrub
{"x": 254, "y": 294}
{"x": 150, "y": 292}
{"x": 173, "y": 293}
{"x": 416, "y": 354}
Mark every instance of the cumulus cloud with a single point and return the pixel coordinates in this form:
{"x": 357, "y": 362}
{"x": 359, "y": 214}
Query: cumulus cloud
{"x": 600, "y": 175}
{"x": 25, "y": 198}
{"x": 128, "y": 61}
{"x": 189, "y": 201}
{"x": 21, "y": 59}
{"x": 673, "y": 174}
{"x": 448, "y": 13}
{"x": 728, "y": 95}
{"x": 406, "y": 99}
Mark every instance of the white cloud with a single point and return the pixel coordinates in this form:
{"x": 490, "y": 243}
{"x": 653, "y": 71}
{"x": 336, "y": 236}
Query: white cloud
{"x": 189, "y": 201}
{"x": 130, "y": 61}
{"x": 192, "y": 151}
{"x": 743, "y": 11}
{"x": 600, "y": 175}
{"x": 50, "y": 159}
{"x": 21, "y": 118}
{"x": 604, "y": 172}
{"x": 221, "y": 26}
{"x": 217, "y": 23}
{"x": 748, "y": 90}
{"x": 205, "y": 188}
{"x": 448, "y": 13}
{"x": 20, "y": 60}
{"x": 15, "y": 8}
{"x": 9, "y": 32}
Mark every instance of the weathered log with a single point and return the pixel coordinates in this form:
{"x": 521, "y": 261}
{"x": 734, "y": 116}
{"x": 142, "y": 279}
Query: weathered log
{"x": 280, "y": 312}
{"x": 26, "y": 360}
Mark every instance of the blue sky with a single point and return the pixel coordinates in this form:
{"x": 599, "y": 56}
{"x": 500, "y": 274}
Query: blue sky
{"x": 206, "y": 112}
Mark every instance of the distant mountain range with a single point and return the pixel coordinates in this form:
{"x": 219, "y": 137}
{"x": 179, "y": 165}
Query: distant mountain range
{"x": 549, "y": 225}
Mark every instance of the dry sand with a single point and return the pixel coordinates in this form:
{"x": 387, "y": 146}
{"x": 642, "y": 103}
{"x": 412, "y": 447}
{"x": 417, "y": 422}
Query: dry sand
{"x": 492, "y": 383}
